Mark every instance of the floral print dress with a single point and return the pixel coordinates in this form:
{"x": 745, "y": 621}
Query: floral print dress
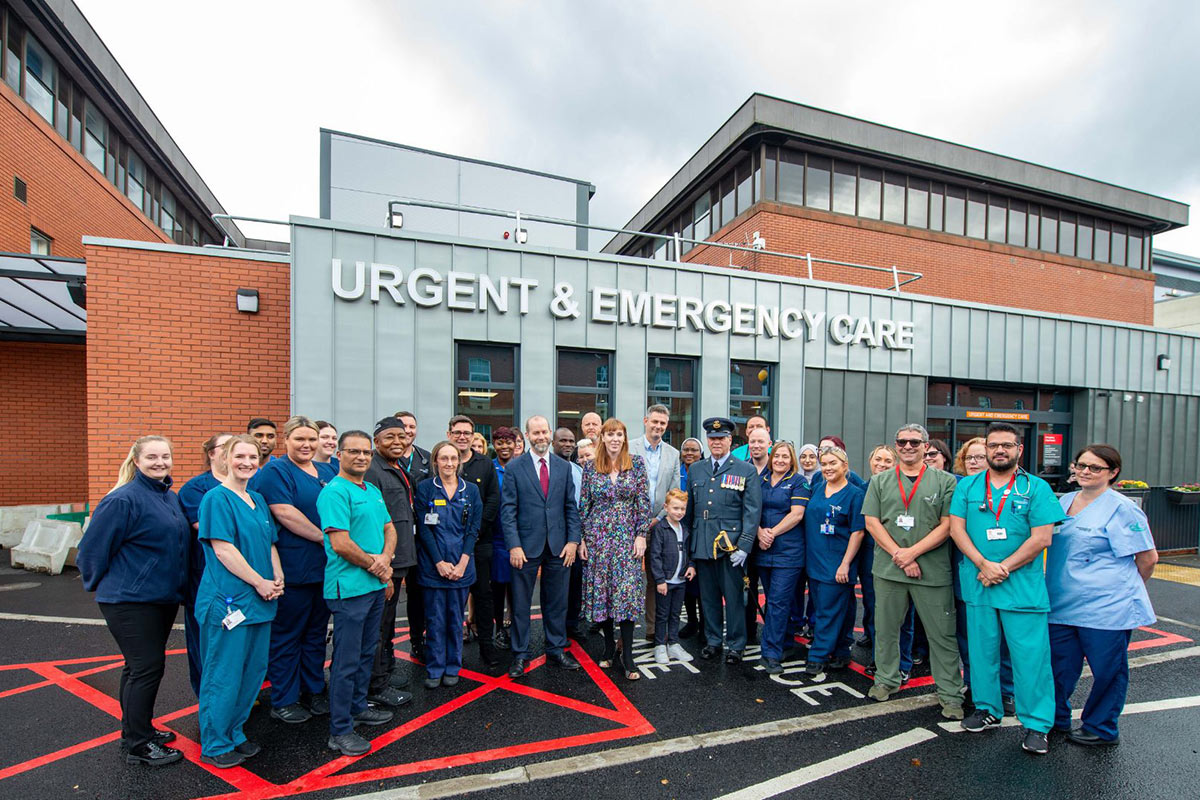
{"x": 613, "y": 514}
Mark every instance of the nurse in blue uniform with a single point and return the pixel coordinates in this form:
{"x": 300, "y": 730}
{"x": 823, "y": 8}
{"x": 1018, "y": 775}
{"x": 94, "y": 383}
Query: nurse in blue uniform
{"x": 833, "y": 531}
{"x": 235, "y": 604}
{"x": 290, "y": 486}
{"x": 1096, "y": 572}
{"x": 779, "y": 548}
{"x": 449, "y": 512}
{"x": 190, "y": 496}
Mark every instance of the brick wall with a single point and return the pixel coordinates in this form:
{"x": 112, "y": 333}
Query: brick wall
{"x": 952, "y": 266}
{"x": 168, "y": 352}
{"x": 43, "y": 402}
{"x": 68, "y": 198}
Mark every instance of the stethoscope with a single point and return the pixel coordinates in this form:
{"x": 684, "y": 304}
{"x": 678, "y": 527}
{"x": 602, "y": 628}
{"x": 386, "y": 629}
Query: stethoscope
{"x": 1016, "y": 488}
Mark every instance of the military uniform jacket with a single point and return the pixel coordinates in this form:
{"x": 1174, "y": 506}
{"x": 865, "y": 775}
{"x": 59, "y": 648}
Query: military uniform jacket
{"x": 730, "y": 501}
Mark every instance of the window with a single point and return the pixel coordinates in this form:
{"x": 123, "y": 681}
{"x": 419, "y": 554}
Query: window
{"x": 750, "y": 392}
{"x": 870, "y": 197}
{"x": 167, "y": 213}
{"x": 816, "y": 182}
{"x": 584, "y": 384}
{"x": 1032, "y": 227}
{"x": 62, "y": 108}
{"x": 485, "y": 385}
{"x": 1103, "y": 238}
{"x": 791, "y": 177}
{"x": 39, "y": 79}
{"x": 844, "y": 179}
{"x": 956, "y": 209}
{"x": 1049, "y": 230}
{"x": 893, "y": 198}
{"x": 1083, "y": 247}
{"x": 12, "y": 54}
{"x": 918, "y": 203}
{"x": 997, "y": 221}
{"x": 769, "y": 173}
{"x": 39, "y": 243}
{"x": 976, "y": 212}
{"x": 1016, "y": 223}
{"x": 95, "y": 137}
{"x": 1117, "y": 256}
{"x": 77, "y": 120}
{"x": 727, "y": 199}
{"x": 135, "y": 185}
{"x": 1066, "y": 234}
{"x": 672, "y": 383}
{"x": 1135, "y": 249}
{"x": 937, "y": 200}
{"x": 702, "y": 217}
{"x": 745, "y": 190}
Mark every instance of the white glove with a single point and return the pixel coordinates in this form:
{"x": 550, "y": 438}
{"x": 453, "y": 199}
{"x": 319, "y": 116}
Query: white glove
{"x": 737, "y": 558}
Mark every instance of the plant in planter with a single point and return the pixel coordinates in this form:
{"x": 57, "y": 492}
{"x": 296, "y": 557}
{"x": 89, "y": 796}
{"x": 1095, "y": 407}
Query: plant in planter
{"x": 1132, "y": 485}
{"x": 1135, "y": 490}
{"x": 1186, "y": 495}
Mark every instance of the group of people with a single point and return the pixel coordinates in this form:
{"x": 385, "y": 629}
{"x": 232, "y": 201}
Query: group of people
{"x": 1012, "y": 587}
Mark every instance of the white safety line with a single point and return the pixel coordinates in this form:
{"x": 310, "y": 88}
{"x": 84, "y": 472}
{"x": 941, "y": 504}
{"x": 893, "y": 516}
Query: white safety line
{"x": 1179, "y": 622}
{"x": 1132, "y": 708}
{"x": 13, "y": 587}
{"x": 61, "y": 620}
{"x": 831, "y": 766}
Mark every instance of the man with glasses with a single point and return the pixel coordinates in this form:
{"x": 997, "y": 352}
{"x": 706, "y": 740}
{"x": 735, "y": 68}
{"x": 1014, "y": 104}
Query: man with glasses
{"x": 907, "y": 512}
{"x": 1002, "y": 519}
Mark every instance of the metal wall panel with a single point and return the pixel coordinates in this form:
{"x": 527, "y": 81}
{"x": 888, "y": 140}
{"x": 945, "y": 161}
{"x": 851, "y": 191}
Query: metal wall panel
{"x": 863, "y": 408}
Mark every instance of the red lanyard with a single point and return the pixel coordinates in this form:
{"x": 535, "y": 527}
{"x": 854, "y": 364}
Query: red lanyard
{"x": 987, "y": 478}
{"x": 913, "y": 493}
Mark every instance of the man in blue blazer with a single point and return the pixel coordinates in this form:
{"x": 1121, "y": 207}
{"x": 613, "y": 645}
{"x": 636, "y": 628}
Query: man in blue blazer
{"x": 541, "y": 529}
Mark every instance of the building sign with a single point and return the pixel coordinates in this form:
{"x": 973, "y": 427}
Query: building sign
{"x": 464, "y": 291}
{"x": 1014, "y": 416}
{"x": 1052, "y": 445}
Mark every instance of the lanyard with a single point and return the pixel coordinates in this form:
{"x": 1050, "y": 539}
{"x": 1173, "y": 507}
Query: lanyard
{"x": 916, "y": 483}
{"x": 1003, "y": 498}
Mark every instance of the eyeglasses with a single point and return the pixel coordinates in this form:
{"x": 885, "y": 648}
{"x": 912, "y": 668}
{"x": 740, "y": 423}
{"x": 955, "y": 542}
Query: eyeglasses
{"x": 1095, "y": 469}
{"x": 462, "y": 433}
{"x": 975, "y": 458}
{"x": 1002, "y": 445}
{"x": 910, "y": 443}
{"x": 932, "y": 454}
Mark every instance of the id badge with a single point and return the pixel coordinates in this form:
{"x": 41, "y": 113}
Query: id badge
{"x": 906, "y": 521}
{"x": 233, "y": 619}
{"x": 431, "y": 518}
{"x": 827, "y": 529}
{"x": 997, "y": 534}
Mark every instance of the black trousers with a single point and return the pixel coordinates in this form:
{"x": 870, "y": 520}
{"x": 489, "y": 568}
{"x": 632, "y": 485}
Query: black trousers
{"x": 415, "y": 611}
{"x": 481, "y": 591}
{"x": 385, "y": 654}
{"x": 141, "y": 631}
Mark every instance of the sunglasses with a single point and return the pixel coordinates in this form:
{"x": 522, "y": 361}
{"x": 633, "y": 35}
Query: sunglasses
{"x": 910, "y": 443}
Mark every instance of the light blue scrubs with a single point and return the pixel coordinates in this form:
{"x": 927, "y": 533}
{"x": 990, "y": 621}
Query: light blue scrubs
{"x": 235, "y": 660}
{"x": 1017, "y": 607}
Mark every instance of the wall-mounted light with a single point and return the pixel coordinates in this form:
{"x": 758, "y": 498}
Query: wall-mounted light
{"x": 247, "y": 301}
{"x": 395, "y": 217}
{"x": 1164, "y": 362}
{"x": 1127, "y": 397}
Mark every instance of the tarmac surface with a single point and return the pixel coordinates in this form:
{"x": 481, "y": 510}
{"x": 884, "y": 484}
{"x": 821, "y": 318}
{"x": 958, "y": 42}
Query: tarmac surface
{"x": 699, "y": 730}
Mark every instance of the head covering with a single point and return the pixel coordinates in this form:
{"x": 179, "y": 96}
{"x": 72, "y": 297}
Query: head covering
{"x": 808, "y": 474}
{"x": 699, "y": 443}
{"x": 386, "y": 423}
{"x": 716, "y": 427}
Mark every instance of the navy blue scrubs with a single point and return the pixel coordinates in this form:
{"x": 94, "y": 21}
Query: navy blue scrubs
{"x": 190, "y": 496}
{"x": 780, "y": 565}
{"x": 828, "y": 523}
{"x": 297, "y": 661}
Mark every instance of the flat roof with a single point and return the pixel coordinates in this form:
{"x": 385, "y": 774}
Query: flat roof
{"x": 763, "y": 113}
{"x": 42, "y": 298}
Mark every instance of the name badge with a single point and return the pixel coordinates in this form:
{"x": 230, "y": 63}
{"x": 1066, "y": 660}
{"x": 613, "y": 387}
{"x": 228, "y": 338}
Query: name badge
{"x": 997, "y": 534}
{"x": 431, "y": 518}
{"x": 906, "y": 521}
{"x": 233, "y": 619}
{"x": 827, "y": 528}
{"x": 439, "y": 502}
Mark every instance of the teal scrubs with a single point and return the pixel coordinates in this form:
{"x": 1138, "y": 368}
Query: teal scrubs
{"x": 234, "y": 660}
{"x": 1018, "y": 606}
{"x": 359, "y": 510}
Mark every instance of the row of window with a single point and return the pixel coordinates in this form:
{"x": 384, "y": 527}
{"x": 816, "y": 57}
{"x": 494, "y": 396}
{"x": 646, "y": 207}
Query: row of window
{"x": 486, "y": 388}
{"x": 34, "y": 75}
{"x": 845, "y": 187}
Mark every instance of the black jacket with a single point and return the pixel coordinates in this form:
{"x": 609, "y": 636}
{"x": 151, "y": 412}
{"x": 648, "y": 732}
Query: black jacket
{"x": 397, "y": 490}
{"x": 664, "y": 551}
{"x": 482, "y": 472}
{"x": 417, "y": 466}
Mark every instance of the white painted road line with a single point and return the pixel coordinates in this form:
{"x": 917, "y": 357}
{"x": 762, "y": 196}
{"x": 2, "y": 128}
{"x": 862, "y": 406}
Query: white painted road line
{"x": 1133, "y": 708}
{"x": 13, "y": 587}
{"x": 832, "y": 766}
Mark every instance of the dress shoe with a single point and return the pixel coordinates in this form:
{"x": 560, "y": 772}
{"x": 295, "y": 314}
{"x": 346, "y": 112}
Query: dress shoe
{"x": 153, "y": 754}
{"x": 417, "y": 650}
{"x": 517, "y": 668}
{"x": 500, "y": 639}
{"x": 224, "y": 760}
{"x": 733, "y": 657}
{"x": 1088, "y": 739}
{"x": 772, "y": 666}
{"x": 710, "y": 651}
{"x": 487, "y": 653}
{"x": 349, "y": 744}
{"x": 248, "y": 749}
{"x": 676, "y": 652}
{"x": 293, "y": 714}
{"x": 563, "y": 660}
{"x": 164, "y": 737}
{"x": 373, "y": 715}
{"x": 450, "y": 680}
{"x": 318, "y": 704}
{"x": 433, "y": 683}
{"x": 393, "y": 698}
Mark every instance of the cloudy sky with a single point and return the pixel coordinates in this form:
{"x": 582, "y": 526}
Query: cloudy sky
{"x": 623, "y": 93}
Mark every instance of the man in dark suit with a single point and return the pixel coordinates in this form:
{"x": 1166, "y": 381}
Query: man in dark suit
{"x": 541, "y": 529}
{"x": 723, "y": 511}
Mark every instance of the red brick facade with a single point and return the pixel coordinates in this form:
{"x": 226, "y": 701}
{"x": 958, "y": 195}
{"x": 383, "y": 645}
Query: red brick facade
{"x": 168, "y": 352}
{"x": 68, "y": 198}
{"x": 952, "y": 266}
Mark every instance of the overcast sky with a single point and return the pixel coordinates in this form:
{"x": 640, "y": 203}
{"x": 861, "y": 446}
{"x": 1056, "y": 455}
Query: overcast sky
{"x": 623, "y": 93}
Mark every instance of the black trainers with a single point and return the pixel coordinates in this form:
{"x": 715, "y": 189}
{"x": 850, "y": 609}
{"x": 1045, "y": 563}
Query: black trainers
{"x": 224, "y": 760}
{"x": 293, "y": 714}
{"x": 772, "y": 666}
{"x": 838, "y": 662}
{"x": 349, "y": 744}
{"x": 979, "y": 720}
{"x": 1035, "y": 742}
{"x": 399, "y": 678}
{"x": 249, "y": 749}
{"x": 153, "y": 754}
{"x": 318, "y": 704}
{"x": 372, "y": 715}
{"x": 388, "y": 696}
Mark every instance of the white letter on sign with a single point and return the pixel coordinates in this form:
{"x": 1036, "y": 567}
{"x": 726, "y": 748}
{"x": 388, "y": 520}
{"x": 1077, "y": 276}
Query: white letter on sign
{"x": 391, "y": 283}
{"x": 359, "y": 280}
{"x": 430, "y": 297}
{"x": 839, "y": 329}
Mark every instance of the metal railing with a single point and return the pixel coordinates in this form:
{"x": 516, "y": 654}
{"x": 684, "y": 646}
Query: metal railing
{"x": 216, "y": 218}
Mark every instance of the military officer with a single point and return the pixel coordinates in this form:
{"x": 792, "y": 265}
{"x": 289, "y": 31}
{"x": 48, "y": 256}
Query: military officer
{"x": 724, "y": 506}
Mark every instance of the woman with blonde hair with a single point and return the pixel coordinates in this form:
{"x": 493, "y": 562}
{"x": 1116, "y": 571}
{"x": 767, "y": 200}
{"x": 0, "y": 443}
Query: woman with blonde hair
{"x": 614, "y": 509}
{"x": 779, "y": 547}
{"x": 971, "y": 458}
{"x": 134, "y": 556}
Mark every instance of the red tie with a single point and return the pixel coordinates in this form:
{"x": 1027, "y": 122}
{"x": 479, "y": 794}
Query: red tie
{"x": 544, "y": 474}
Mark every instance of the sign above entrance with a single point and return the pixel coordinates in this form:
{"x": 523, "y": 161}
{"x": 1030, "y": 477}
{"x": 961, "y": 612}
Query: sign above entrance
{"x": 1014, "y": 416}
{"x": 469, "y": 292}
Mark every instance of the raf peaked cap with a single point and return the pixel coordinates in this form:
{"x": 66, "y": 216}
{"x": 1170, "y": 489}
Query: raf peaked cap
{"x": 718, "y": 426}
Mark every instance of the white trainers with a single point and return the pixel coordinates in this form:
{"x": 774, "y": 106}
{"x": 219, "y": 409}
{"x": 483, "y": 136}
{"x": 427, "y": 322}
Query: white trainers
{"x": 660, "y": 654}
{"x": 676, "y": 652}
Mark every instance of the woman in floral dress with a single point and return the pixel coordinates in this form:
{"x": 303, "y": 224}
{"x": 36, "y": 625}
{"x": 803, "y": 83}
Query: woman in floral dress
{"x": 614, "y": 505}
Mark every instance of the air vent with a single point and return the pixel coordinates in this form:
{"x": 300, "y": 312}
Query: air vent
{"x": 19, "y": 190}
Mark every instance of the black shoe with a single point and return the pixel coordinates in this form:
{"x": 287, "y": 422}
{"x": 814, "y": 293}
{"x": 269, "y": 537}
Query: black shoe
{"x": 869, "y": 669}
{"x": 1036, "y": 743}
{"x": 904, "y": 677}
{"x": 399, "y": 678}
{"x": 153, "y": 754}
{"x": 979, "y": 720}
{"x": 500, "y": 639}
{"x": 1010, "y": 706}
{"x": 349, "y": 744}
{"x": 864, "y": 641}
{"x": 733, "y": 657}
{"x": 433, "y": 683}
{"x": 838, "y": 662}
{"x": 689, "y": 630}
{"x": 450, "y": 680}
{"x": 318, "y": 704}
{"x": 563, "y": 660}
{"x": 772, "y": 666}
{"x": 293, "y": 714}
{"x": 487, "y": 653}
{"x": 373, "y": 715}
{"x": 710, "y": 651}
{"x": 164, "y": 737}
{"x": 752, "y": 637}
{"x": 649, "y": 636}
{"x": 1080, "y": 736}
{"x": 417, "y": 649}
{"x": 248, "y": 749}
{"x": 393, "y": 698}
{"x": 813, "y": 668}
{"x": 517, "y": 668}
{"x": 225, "y": 760}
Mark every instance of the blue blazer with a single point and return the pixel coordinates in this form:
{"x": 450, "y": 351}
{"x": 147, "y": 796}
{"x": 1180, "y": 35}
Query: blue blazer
{"x": 532, "y": 519}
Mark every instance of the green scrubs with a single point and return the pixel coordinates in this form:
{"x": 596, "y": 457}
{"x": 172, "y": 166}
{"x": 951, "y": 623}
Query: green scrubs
{"x": 1018, "y": 606}
{"x": 932, "y": 594}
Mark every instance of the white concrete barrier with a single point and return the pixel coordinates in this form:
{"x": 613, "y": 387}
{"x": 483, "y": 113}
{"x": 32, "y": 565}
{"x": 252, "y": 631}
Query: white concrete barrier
{"x": 46, "y": 545}
{"x": 15, "y": 519}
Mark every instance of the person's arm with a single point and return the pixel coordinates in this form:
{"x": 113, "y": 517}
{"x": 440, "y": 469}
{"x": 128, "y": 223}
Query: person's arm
{"x": 489, "y": 490}
{"x": 907, "y": 555}
{"x": 990, "y": 572}
{"x": 277, "y": 568}
{"x": 233, "y": 560}
{"x": 843, "y": 570}
{"x": 348, "y": 549}
{"x": 879, "y": 533}
{"x": 793, "y": 518}
{"x": 1145, "y": 561}
{"x": 751, "y": 513}
{"x": 642, "y": 510}
{"x": 294, "y": 520}
{"x": 571, "y": 519}
{"x": 389, "y": 542}
{"x": 103, "y": 539}
{"x": 1039, "y": 539}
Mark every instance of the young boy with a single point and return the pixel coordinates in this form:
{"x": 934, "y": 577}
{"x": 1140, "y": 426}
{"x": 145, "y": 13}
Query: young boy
{"x": 670, "y": 568}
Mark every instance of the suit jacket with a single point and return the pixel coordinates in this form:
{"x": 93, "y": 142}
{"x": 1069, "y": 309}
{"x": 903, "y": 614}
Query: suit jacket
{"x": 531, "y": 519}
{"x": 668, "y": 472}
{"x": 663, "y": 551}
{"x": 730, "y": 501}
